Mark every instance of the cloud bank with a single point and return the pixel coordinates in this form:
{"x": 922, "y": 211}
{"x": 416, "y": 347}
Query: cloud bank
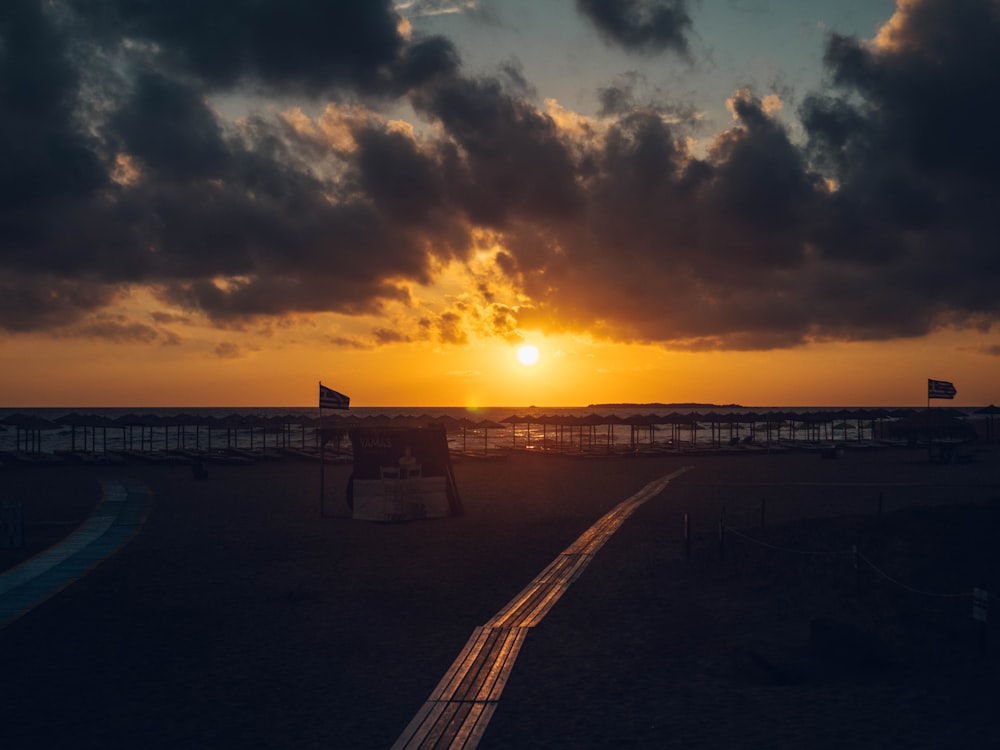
{"x": 877, "y": 222}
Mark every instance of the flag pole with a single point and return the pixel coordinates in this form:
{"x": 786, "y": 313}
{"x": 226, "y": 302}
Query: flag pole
{"x": 322, "y": 460}
{"x": 930, "y": 453}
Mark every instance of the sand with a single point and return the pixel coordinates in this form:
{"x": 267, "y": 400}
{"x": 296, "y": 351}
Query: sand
{"x": 239, "y": 617}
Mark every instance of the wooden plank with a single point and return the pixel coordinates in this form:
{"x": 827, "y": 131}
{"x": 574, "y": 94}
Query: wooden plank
{"x": 485, "y": 682}
{"x": 513, "y": 605}
{"x": 526, "y": 605}
{"x": 581, "y": 566}
{"x": 502, "y": 668}
{"x": 447, "y": 725}
{"x": 476, "y": 675}
{"x": 418, "y": 726}
{"x": 564, "y": 570}
{"x": 472, "y": 731}
{"x": 446, "y": 688}
{"x": 541, "y": 607}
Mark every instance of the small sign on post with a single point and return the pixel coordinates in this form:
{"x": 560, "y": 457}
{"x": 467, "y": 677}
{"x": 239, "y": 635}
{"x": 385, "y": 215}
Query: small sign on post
{"x": 979, "y": 600}
{"x": 11, "y": 526}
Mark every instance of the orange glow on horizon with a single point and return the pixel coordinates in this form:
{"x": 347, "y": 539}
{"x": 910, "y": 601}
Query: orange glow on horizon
{"x": 574, "y": 371}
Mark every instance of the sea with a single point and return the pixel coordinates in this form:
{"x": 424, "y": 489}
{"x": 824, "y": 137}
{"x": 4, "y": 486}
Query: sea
{"x": 64, "y": 437}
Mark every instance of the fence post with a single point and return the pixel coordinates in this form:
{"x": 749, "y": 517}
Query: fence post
{"x": 857, "y": 569}
{"x": 980, "y": 599}
{"x": 687, "y": 535}
{"x": 11, "y": 525}
{"x": 722, "y": 534}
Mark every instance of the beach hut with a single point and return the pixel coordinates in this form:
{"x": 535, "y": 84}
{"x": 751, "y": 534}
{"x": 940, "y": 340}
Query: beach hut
{"x": 930, "y": 425}
{"x": 990, "y": 412}
{"x": 401, "y": 474}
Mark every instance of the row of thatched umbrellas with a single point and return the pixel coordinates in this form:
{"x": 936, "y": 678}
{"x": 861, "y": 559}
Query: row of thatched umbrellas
{"x": 32, "y": 426}
{"x": 818, "y": 425}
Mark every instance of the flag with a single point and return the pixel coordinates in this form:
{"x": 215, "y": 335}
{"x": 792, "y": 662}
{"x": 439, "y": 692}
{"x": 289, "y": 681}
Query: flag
{"x": 330, "y": 399}
{"x": 940, "y": 389}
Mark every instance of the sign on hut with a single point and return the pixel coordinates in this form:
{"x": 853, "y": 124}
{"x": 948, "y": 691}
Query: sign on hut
{"x": 401, "y": 474}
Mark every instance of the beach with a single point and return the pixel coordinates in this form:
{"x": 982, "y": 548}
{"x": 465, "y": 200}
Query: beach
{"x": 239, "y": 616}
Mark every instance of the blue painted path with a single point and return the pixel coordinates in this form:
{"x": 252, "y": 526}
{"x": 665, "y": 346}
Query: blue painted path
{"x": 117, "y": 518}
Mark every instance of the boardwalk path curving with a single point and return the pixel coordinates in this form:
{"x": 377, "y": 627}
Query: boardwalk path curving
{"x": 457, "y": 712}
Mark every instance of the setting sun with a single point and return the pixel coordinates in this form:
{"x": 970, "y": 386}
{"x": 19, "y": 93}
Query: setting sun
{"x": 527, "y": 355}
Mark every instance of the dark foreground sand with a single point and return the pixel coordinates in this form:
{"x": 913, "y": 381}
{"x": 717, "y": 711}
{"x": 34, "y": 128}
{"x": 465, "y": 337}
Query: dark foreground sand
{"x": 239, "y": 618}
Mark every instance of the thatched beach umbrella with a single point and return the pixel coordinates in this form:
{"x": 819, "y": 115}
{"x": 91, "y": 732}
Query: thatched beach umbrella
{"x": 180, "y": 423}
{"x": 732, "y": 419}
{"x": 612, "y": 421}
{"x": 813, "y": 422}
{"x": 32, "y": 426}
{"x": 126, "y": 423}
{"x": 74, "y": 420}
{"x": 513, "y": 421}
{"x": 282, "y": 424}
{"x": 486, "y": 425}
{"x": 544, "y": 420}
{"x": 639, "y": 422}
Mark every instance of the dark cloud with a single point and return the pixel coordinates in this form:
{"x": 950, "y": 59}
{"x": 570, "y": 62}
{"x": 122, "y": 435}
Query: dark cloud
{"x": 167, "y": 125}
{"x": 46, "y": 154}
{"x": 878, "y": 222}
{"x": 642, "y": 25}
{"x": 907, "y": 135}
{"x": 285, "y": 45}
{"x": 504, "y": 157}
{"x": 204, "y": 200}
{"x": 119, "y": 329}
{"x": 631, "y": 91}
{"x": 228, "y": 350}
{"x": 450, "y": 329}
{"x": 390, "y": 336}
{"x": 880, "y": 227}
{"x": 40, "y": 301}
{"x": 50, "y": 165}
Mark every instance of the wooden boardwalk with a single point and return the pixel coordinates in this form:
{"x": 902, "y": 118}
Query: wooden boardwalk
{"x": 456, "y": 714}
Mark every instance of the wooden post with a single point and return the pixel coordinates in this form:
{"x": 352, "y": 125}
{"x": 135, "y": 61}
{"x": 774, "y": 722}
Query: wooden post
{"x": 722, "y": 534}
{"x": 687, "y": 535}
{"x": 980, "y": 599}
{"x": 857, "y": 569}
{"x": 322, "y": 476}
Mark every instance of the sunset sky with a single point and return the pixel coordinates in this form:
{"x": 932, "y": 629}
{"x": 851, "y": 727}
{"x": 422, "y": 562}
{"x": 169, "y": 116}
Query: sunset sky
{"x": 764, "y": 202}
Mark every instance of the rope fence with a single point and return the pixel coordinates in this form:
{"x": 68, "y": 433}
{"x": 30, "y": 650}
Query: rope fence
{"x": 978, "y": 595}
{"x": 833, "y": 553}
{"x": 911, "y": 589}
{"x": 854, "y": 552}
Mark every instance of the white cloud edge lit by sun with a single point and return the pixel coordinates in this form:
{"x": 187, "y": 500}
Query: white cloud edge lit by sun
{"x": 436, "y": 7}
